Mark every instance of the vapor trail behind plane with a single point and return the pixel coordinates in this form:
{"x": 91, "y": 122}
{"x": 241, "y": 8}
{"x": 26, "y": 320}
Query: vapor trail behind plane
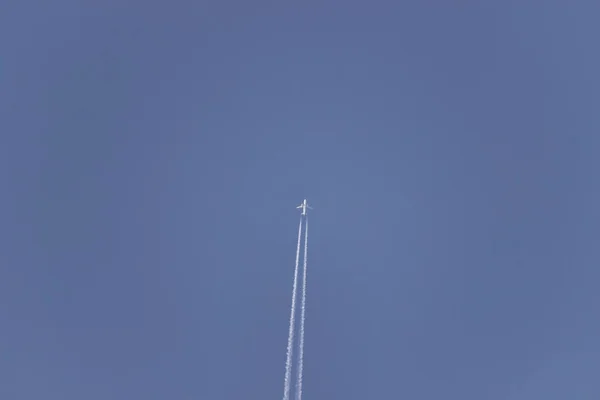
{"x": 302, "y": 318}
{"x": 288, "y": 361}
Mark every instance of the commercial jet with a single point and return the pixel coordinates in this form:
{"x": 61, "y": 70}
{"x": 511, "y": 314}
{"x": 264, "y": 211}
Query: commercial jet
{"x": 304, "y": 206}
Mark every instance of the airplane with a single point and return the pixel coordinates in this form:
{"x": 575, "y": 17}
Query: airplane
{"x": 304, "y": 206}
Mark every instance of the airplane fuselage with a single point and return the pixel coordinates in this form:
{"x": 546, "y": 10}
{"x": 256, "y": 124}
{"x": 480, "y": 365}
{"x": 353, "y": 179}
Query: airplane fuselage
{"x": 304, "y": 206}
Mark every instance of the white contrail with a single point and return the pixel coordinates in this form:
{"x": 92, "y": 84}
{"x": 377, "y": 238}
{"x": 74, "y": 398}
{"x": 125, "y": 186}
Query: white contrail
{"x": 302, "y": 318}
{"x": 288, "y": 361}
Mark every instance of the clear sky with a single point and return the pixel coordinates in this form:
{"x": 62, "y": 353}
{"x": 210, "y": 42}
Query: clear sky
{"x": 153, "y": 154}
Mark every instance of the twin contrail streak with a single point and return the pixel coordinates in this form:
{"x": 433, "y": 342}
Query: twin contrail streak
{"x": 302, "y": 318}
{"x": 290, "y": 344}
{"x": 288, "y": 361}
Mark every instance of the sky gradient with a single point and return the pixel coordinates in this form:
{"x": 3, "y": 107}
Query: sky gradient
{"x": 153, "y": 154}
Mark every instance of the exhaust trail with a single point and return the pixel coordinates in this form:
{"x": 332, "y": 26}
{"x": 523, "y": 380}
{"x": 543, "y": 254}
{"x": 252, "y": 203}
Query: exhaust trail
{"x": 302, "y": 318}
{"x": 288, "y": 361}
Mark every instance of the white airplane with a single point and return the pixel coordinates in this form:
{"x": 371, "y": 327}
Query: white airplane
{"x": 304, "y": 206}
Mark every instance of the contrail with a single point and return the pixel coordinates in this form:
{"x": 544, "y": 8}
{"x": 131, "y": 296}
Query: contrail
{"x": 288, "y": 361}
{"x": 302, "y": 318}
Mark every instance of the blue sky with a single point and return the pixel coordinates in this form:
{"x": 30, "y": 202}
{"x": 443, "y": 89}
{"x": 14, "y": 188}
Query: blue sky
{"x": 153, "y": 155}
